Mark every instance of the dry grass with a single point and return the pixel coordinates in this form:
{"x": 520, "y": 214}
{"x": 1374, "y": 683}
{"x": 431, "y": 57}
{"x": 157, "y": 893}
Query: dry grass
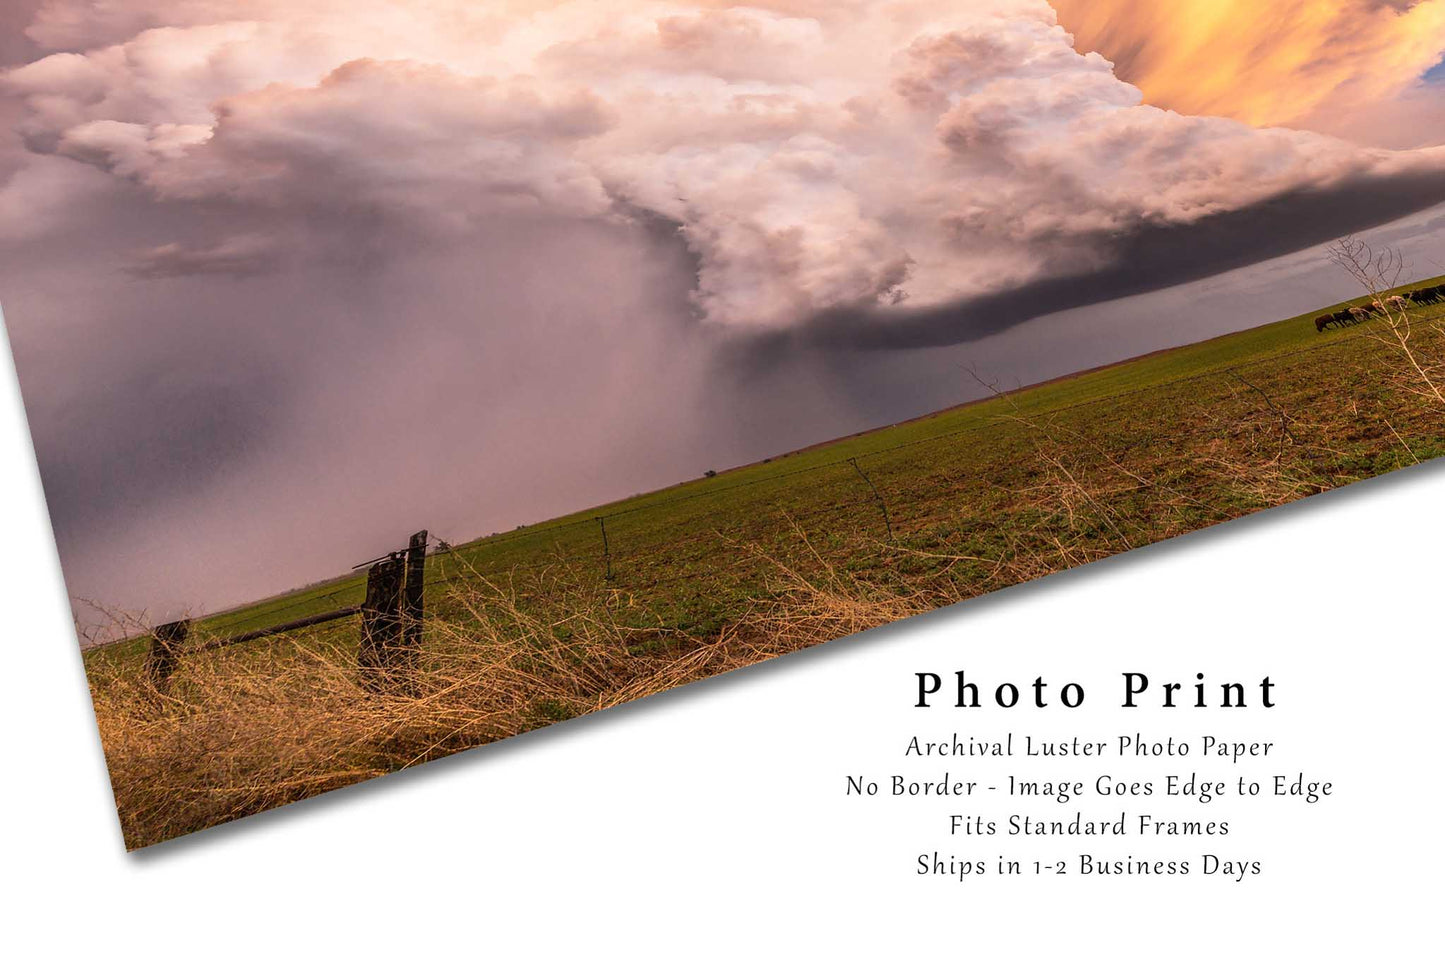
{"x": 241, "y": 731}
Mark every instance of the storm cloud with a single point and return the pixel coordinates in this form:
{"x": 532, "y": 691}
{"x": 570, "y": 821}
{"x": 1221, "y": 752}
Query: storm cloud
{"x": 876, "y": 154}
{"x": 556, "y": 252}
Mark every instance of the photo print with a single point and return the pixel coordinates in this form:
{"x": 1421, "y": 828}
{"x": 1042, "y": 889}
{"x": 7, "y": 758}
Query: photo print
{"x": 405, "y": 375}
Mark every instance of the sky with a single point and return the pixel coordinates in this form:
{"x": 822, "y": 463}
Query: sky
{"x": 286, "y": 280}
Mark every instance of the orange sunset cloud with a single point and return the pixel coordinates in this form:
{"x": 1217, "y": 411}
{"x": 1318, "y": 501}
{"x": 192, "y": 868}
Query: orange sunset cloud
{"x": 1265, "y": 64}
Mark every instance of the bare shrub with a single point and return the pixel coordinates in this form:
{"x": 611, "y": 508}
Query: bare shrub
{"x": 247, "y": 729}
{"x": 1379, "y": 271}
{"x": 97, "y": 624}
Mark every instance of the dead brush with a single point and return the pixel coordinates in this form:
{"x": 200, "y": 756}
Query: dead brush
{"x": 1088, "y": 502}
{"x": 1260, "y": 460}
{"x": 813, "y": 603}
{"x": 247, "y": 729}
{"x": 1421, "y": 362}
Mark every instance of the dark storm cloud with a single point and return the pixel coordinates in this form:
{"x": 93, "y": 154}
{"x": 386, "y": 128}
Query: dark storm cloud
{"x": 158, "y": 436}
{"x": 1149, "y": 259}
{"x": 195, "y": 423}
{"x": 141, "y": 392}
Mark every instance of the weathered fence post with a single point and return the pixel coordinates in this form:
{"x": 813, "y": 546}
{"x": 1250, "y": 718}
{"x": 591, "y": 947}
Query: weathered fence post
{"x": 414, "y": 596}
{"x": 381, "y": 618}
{"x": 391, "y": 617}
{"x": 166, "y": 641}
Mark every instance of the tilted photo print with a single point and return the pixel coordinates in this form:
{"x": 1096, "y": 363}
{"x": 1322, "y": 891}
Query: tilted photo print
{"x": 405, "y": 375}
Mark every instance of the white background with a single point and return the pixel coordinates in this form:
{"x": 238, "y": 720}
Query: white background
{"x": 712, "y": 821}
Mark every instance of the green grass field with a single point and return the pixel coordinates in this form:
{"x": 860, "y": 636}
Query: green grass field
{"x": 668, "y": 534}
{"x": 537, "y": 625}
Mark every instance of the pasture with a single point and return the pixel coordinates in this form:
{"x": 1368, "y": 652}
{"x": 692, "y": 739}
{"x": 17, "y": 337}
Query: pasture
{"x": 548, "y": 622}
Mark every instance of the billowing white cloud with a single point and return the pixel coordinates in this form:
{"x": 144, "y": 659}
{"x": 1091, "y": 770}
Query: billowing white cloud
{"x": 813, "y": 156}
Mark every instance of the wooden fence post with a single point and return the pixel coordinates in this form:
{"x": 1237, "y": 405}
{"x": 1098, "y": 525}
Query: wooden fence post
{"x": 166, "y": 641}
{"x": 381, "y": 618}
{"x": 414, "y": 596}
{"x": 391, "y": 617}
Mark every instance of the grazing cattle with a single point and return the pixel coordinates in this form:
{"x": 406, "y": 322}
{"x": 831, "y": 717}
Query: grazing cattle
{"x": 1323, "y": 322}
{"x": 1359, "y": 314}
{"x": 1396, "y": 302}
{"x": 1425, "y": 296}
{"x": 1343, "y": 317}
